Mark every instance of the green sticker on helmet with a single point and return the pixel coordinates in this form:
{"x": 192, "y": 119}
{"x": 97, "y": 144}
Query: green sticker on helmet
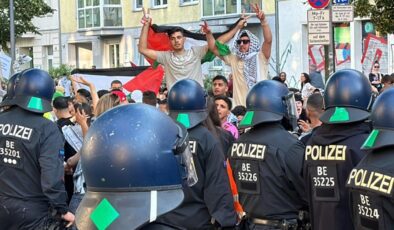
{"x": 340, "y": 114}
{"x": 104, "y": 214}
{"x": 370, "y": 142}
{"x": 35, "y": 103}
{"x": 183, "y": 118}
{"x": 248, "y": 118}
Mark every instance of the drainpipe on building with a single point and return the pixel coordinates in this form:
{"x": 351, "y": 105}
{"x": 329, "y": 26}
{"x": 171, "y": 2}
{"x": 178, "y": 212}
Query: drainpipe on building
{"x": 60, "y": 35}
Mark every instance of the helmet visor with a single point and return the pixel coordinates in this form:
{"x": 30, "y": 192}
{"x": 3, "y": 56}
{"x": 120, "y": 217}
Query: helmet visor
{"x": 185, "y": 158}
{"x": 291, "y": 113}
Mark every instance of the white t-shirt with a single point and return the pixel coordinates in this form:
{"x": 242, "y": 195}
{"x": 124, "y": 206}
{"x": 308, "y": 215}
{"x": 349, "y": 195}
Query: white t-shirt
{"x": 178, "y": 67}
{"x": 307, "y": 90}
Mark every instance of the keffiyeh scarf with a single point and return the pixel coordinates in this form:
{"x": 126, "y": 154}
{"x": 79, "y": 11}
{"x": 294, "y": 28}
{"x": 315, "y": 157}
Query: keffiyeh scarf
{"x": 249, "y": 58}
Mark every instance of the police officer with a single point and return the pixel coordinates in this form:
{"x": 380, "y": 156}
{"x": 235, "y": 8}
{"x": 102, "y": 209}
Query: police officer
{"x": 134, "y": 168}
{"x": 211, "y": 196}
{"x": 334, "y": 148}
{"x": 32, "y": 194}
{"x": 267, "y": 160}
{"x": 371, "y": 182}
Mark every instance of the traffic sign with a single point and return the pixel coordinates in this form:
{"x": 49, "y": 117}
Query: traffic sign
{"x": 341, "y": 1}
{"x": 342, "y": 13}
{"x": 319, "y": 27}
{"x": 319, "y": 4}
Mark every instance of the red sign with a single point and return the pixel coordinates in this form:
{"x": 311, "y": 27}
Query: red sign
{"x": 319, "y": 4}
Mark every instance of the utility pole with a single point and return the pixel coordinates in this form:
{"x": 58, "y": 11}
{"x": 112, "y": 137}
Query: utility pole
{"x": 277, "y": 37}
{"x": 12, "y": 35}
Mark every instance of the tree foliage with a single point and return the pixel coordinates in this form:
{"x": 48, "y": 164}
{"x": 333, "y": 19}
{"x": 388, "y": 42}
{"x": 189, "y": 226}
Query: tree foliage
{"x": 381, "y": 13}
{"x": 24, "y": 12}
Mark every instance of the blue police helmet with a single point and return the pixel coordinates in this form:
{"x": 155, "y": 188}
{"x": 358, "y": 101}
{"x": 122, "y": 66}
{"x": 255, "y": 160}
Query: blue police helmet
{"x": 265, "y": 102}
{"x": 33, "y": 91}
{"x": 10, "y": 91}
{"x": 131, "y": 169}
{"x": 347, "y": 97}
{"x": 382, "y": 117}
{"x": 187, "y": 102}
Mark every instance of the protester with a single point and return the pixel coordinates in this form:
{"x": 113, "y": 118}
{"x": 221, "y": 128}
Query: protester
{"x": 316, "y": 77}
{"x": 179, "y": 62}
{"x": 306, "y": 87}
{"x": 248, "y": 60}
{"x": 219, "y": 85}
{"x": 375, "y": 76}
{"x": 223, "y": 106}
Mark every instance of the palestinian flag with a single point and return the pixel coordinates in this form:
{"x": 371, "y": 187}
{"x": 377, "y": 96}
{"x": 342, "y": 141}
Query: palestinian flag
{"x": 158, "y": 39}
{"x": 150, "y": 79}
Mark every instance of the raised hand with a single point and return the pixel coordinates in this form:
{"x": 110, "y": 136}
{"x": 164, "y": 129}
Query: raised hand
{"x": 244, "y": 20}
{"x": 259, "y": 13}
{"x": 80, "y": 79}
{"x": 146, "y": 17}
{"x": 205, "y": 28}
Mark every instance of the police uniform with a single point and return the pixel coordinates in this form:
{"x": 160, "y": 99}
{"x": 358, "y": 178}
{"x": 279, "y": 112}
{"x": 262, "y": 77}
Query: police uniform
{"x": 31, "y": 158}
{"x": 211, "y": 197}
{"x": 267, "y": 161}
{"x": 371, "y": 182}
{"x": 333, "y": 150}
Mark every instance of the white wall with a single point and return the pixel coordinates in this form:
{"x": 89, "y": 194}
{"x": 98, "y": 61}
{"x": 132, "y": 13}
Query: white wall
{"x": 291, "y": 39}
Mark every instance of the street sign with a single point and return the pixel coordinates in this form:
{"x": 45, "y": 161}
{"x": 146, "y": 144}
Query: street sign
{"x": 318, "y": 15}
{"x": 341, "y": 1}
{"x": 342, "y": 13}
{"x": 319, "y": 39}
{"x": 319, "y": 4}
{"x": 5, "y": 65}
{"x": 319, "y": 27}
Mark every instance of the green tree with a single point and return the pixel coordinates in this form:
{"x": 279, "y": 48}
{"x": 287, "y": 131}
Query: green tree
{"x": 381, "y": 13}
{"x": 24, "y": 12}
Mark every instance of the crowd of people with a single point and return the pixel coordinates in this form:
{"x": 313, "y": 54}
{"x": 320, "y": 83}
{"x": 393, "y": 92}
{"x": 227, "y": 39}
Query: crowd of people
{"x": 257, "y": 155}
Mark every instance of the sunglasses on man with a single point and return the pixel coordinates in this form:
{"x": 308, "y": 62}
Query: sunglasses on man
{"x": 243, "y": 41}
{"x": 376, "y": 67}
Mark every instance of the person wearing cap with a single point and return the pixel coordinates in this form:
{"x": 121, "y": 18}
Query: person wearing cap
{"x": 247, "y": 58}
{"x": 122, "y": 96}
{"x": 267, "y": 160}
{"x": 211, "y": 197}
{"x": 371, "y": 181}
{"x": 134, "y": 169}
{"x": 333, "y": 150}
{"x": 32, "y": 194}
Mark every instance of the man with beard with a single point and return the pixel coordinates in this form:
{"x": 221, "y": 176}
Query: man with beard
{"x": 248, "y": 60}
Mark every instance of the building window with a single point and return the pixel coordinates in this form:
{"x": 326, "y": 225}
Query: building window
{"x": 159, "y": 3}
{"x": 138, "y": 58}
{"x": 96, "y": 13}
{"x": 114, "y": 61}
{"x": 138, "y": 4}
{"x": 225, "y": 7}
{"x": 188, "y": 2}
{"x": 49, "y": 56}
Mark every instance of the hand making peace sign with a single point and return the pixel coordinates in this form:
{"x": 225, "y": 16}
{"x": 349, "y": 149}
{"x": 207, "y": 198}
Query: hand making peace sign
{"x": 146, "y": 17}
